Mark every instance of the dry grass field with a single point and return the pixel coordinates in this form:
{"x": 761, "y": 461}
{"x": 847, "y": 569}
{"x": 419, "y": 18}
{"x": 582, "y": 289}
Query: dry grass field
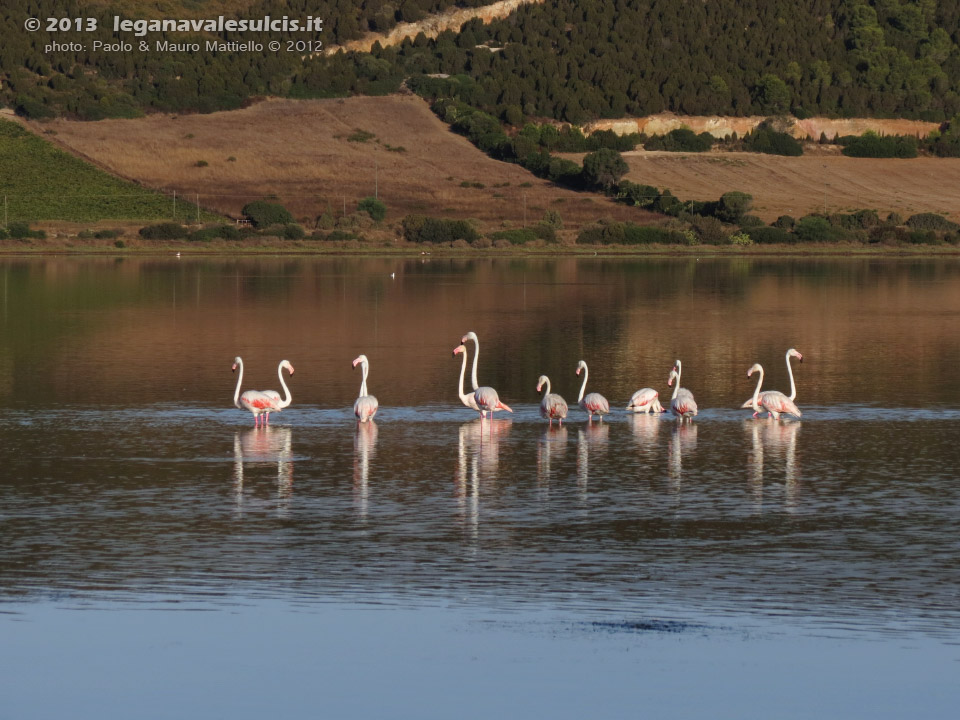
{"x": 311, "y": 155}
{"x": 800, "y": 185}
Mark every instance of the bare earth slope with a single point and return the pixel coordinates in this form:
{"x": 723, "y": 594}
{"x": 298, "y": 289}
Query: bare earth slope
{"x": 299, "y": 151}
{"x": 800, "y": 185}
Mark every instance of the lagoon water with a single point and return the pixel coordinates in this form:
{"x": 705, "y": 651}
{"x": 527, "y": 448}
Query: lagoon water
{"x": 162, "y": 557}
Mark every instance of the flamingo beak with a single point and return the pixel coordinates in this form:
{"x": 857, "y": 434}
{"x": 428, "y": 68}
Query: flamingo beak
{"x": 234, "y": 368}
{"x": 538, "y": 387}
{"x": 291, "y": 369}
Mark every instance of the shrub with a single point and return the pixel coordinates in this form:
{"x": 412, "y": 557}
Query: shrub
{"x": 680, "y": 140}
{"x": 164, "y": 231}
{"x": 515, "y": 236}
{"x": 204, "y": 235}
{"x": 119, "y": 244}
{"x": 785, "y": 222}
{"x": 709, "y": 230}
{"x": 106, "y": 234}
{"x": 293, "y": 232}
{"x": 263, "y": 214}
{"x": 764, "y": 139}
{"x": 201, "y": 163}
{"x": 931, "y": 221}
{"x": 814, "y": 228}
{"x": 771, "y": 236}
{"x": 637, "y": 195}
{"x": 3, "y": 234}
{"x": 607, "y": 233}
{"x": 733, "y": 205}
{"x": 751, "y": 221}
{"x": 740, "y": 238}
{"x": 604, "y": 168}
{"x": 423, "y": 229}
{"x": 228, "y": 232}
{"x": 373, "y": 207}
{"x": 553, "y": 219}
{"x": 22, "y": 231}
{"x": 872, "y": 145}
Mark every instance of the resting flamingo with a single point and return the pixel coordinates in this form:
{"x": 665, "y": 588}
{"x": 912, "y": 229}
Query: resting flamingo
{"x": 365, "y": 406}
{"x": 774, "y": 401}
{"x": 252, "y": 400}
{"x": 594, "y": 403}
{"x": 473, "y": 371}
{"x": 645, "y": 400}
{"x": 682, "y": 403}
{"x": 280, "y": 404}
{"x": 552, "y": 406}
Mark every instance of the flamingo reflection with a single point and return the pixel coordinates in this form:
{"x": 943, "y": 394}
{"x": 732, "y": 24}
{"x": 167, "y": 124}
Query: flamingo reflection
{"x": 264, "y": 446}
{"x": 364, "y": 449}
{"x": 591, "y": 440}
{"x": 552, "y": 446}
{"x": 645, "y": 429}
{"x": 773, "y": 441}
{"x": 478, "y": 458}
{"x": 683, "y": 440}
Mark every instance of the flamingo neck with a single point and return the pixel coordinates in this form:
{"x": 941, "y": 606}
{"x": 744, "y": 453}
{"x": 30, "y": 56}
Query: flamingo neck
{"x": 584, "y": 386}
{"x": 476, "y": 356}
{"x": 547, "y": 391}
{"x": 363, "y": 382}
{"x": 793, "y": 385}
{"x": 676, "y": 389}
{"x": 463, "y": 369}
{"x": 236, "y": 393}
{"x": 287, "y": 397}
{"x": 756, "y": 392}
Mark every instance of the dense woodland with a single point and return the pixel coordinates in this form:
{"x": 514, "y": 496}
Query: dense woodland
{"x": 567, "y": 59}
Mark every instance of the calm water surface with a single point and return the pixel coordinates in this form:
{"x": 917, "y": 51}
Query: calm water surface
{"x": 577, "y": 570}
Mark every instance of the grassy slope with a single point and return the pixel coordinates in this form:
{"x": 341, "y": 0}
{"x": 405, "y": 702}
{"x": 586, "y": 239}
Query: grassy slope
{"x": 41, "y": 182}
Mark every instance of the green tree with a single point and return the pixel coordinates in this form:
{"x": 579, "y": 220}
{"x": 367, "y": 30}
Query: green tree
{"x": 604, "y": 168}
{"x": 373, "y": 207}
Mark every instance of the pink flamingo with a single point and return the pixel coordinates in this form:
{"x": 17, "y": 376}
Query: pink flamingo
{"x": 774, "y": 401}
{"x": 496, "y": 407}
{"x": 365, "y": 406}
{"x": 280, "y": 404}
{"x": 252, "y": 400}
{"x": 552, "y": 406}
{"x": 645, "y": 400}
{"x": 682, "y": 403}
{"x": 594, "y": 402}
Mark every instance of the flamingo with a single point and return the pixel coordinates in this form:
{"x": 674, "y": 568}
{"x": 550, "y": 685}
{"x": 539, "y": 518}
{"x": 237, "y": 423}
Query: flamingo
{"x": 552, "y": 406}
{"x": 280, "y": 403}
{"x": 594, "y": 402}
{"x": 467, "y": 399}
{"x": 645, "y": 400}
{"x": 774, "y": 401}
{"x": 252, "y": 400}
{"x": 365, "y": 406}
{"x": 473, "y": 373}
{"x": 682, "y": 403}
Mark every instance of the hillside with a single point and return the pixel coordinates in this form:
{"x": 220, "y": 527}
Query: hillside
{"x": 41, "y": 182}
{"x": 323, "y": 155}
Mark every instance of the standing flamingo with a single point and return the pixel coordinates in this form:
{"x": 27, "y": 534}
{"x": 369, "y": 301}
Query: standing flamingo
{"x": 473, "y": 373}
{"x": 645, "y": 400}
{"x": 682, "y": 403}
{"x": 552, "y": 406}
{"x": 467, "y": 399}
{"x": 365, "y": 406}
{"x": 594, "y": 402}
{"x": 252, "y": 400}
{"x": 774, "y": 401}
{"x": 279, "y": 403}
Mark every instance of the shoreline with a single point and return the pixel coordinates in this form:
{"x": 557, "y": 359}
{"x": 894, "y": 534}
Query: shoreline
{"x": 7, "y": 249}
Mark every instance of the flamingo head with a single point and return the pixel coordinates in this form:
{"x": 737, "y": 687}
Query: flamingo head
{"x": 673, "y": 376}
{"x": 360, "y": 359}
{"x": 459, "y": 349}
{"x": 581, "y": 366}
{"x": 756, "y": 368}
{"x": 237, "y": 362}
{"x": 287, "y": 366}
{"x": 541, "y": 382}
{"x": 469, "y": 336}
{"x": 792, "y": 352}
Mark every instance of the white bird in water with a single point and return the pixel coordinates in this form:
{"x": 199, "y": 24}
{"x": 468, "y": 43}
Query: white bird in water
{"x": 497, "y": 406}
{"x": 682, "y": 403}
{"x": 365, "y": 406}
{"x": 552, "y": 406}
{"x": 774, "y": 401}
{"x": 594, "y": 403}
{"x": 280, "y": 404}
{"x": 252, "y": 400}
{"x": 645, "y": 400}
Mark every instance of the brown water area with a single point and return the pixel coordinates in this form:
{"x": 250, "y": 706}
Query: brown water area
{"x": 133, "y": 488}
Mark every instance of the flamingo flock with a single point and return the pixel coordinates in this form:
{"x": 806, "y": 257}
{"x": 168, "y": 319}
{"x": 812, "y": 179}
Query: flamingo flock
{"x": 485, "y": 400}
